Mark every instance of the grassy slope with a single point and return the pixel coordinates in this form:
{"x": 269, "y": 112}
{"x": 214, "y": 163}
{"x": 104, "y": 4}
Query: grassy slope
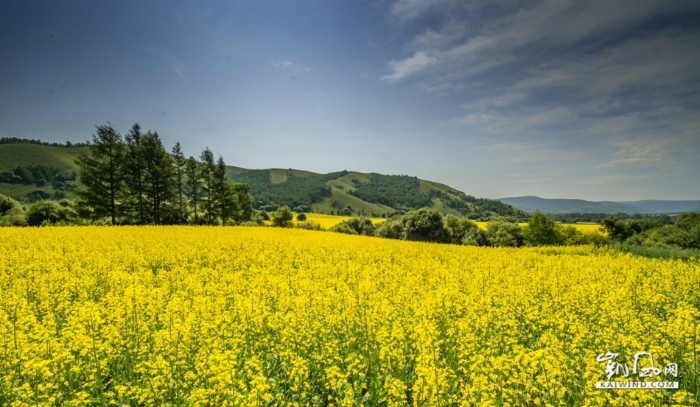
{"x": 339, "y": 194}
{"x": 12, "y": 155}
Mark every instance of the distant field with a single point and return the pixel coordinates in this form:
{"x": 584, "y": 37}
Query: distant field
{"x": 582, "y": 227}
{"x": 328, "y": 221}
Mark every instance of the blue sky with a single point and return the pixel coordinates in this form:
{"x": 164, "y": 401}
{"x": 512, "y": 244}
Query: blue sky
{"x": 560, "y": 99}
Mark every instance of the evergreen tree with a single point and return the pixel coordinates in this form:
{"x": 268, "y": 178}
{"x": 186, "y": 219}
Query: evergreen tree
{"x": 225, "y": 194}
{"x": 194, "y": 187}
{"x": 159, "y": 175}
{"x": 244, "y": 201}
{"x": 134, "y": 174}
{"x": 179, "y": 162}
{"x": 102, "y": 173}
{"x": 208, "y": 169}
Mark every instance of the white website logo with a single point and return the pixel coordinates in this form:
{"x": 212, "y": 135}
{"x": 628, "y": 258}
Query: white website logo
{"x": 643, "y": 367}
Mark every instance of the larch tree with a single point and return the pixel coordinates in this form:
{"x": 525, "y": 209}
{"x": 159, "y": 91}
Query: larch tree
{"x": 193, "y": 189}
{"x": 159, "y": 175}
{"x": 179, "y": 163}
{"x": 101, "y": 172}
{"x": 208, "y": 169}
{"x": 134, "y": 174}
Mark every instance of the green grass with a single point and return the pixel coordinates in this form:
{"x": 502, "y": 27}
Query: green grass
{"x": 12, "y": 155}
{"x": 660, "y": 252}
{"x": 345, "y": 199}
{"x": 279, "y": 175}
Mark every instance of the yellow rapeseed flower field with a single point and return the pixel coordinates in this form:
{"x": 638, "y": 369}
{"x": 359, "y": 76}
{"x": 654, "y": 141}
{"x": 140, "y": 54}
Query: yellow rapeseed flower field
{"x": 582, "y": 227}
{"x": 328, "y": 221}
{"x": 223, "y": 316}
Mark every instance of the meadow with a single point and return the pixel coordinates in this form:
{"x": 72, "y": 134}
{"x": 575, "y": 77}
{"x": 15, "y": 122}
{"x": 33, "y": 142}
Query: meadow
{"x": 260, "y": 316}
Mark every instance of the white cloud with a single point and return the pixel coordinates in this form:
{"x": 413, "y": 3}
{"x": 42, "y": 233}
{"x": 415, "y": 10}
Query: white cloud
{"x": 282, "y": 64}
{"x": 516, "y": 122}
{"x": 637, "y": 152}
{"x": 406, "y": 10}
{"x": 416, "y": 63}
{"x": 464, "y": 41}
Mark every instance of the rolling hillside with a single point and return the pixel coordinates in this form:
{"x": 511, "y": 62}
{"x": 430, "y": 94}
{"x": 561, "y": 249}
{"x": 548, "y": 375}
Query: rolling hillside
{"x": 562, "y": 206}
{"x": 343, "y": 193}
{"x": 12, "y": 155}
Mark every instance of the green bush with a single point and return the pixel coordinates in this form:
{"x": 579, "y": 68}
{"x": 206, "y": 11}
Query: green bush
{"x": 425, "y": 225}
{"x": 49, "y": 212}
{"x": 6, "y": 204}
{"x": 283, "y": 217}
{"x": 309, "y": 225}
{"x": 390, "y": 229}
{"x": 301, "y": 217}
{"x": 476, "y": 237}
{"x": 504, "y": 233}
{"x": 14, "y": 217}
{"x": 343, "y": 228}
{"x": 541, "y": 231}
{"x": 459, "y": 228}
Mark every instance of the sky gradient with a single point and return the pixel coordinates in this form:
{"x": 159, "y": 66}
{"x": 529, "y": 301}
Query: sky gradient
{"x": 559, "y": 99}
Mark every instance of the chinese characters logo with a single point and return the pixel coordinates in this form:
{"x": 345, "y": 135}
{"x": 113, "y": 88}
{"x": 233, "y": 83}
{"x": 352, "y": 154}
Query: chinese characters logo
{"x": 643, "y": 367}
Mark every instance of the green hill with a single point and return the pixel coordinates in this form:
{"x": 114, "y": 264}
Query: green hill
{"x": 343, "y": 192}
{"x": 372, "y": 194}
{"x": 13, "y": 155}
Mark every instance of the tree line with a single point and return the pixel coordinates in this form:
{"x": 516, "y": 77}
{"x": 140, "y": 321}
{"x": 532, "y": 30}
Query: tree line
{"x": 683, "y": 234}
{"x": 598, "y": 217}
{"x": 134, "y": 180}
{"x": 17, "y": 140}
{"x": 38, "y": 175}
{"x": 428, "y": 225}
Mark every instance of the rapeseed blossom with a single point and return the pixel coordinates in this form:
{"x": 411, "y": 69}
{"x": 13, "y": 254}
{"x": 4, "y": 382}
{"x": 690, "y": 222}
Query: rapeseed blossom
{"x": 257, "y": 316}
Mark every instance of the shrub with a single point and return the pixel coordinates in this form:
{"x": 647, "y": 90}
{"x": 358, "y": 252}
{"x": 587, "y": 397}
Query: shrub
{"x": 14, "y": 217}
{"x": 301, "y": 217}
{"x": 343, "y": 228}
{"x": 49, "y": 212}
{"x": 6, "y": 204}
{"x": 425, "y": 225}
{"x": 459, "y": 228}
{"x": 390, "y": 229}
{"x": 283, "y": 217}
{"x": 504, "y": 233}
{"x": 476, "y": 237}
{"x": 542, "y": 230}
{"x": 309, "y": 225}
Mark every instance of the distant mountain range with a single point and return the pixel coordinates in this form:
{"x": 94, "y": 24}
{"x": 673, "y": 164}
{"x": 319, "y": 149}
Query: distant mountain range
{"x": 544, "y": 205}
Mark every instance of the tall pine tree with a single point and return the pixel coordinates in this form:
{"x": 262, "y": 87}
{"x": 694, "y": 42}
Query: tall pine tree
{"x": 102, "y": 173}
{"x": 134, "y": 175}
{"x": 159, "y": 175}
{"x": 179, "y": 162}
{"x": 208, "y": 169}
{"x": 225, "y": 195}
{"x": 193, "y": 186}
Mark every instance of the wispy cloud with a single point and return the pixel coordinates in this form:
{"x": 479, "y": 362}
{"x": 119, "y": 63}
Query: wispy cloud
{"x": 282, "y": 64}
{"x": 402, "y": 69}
